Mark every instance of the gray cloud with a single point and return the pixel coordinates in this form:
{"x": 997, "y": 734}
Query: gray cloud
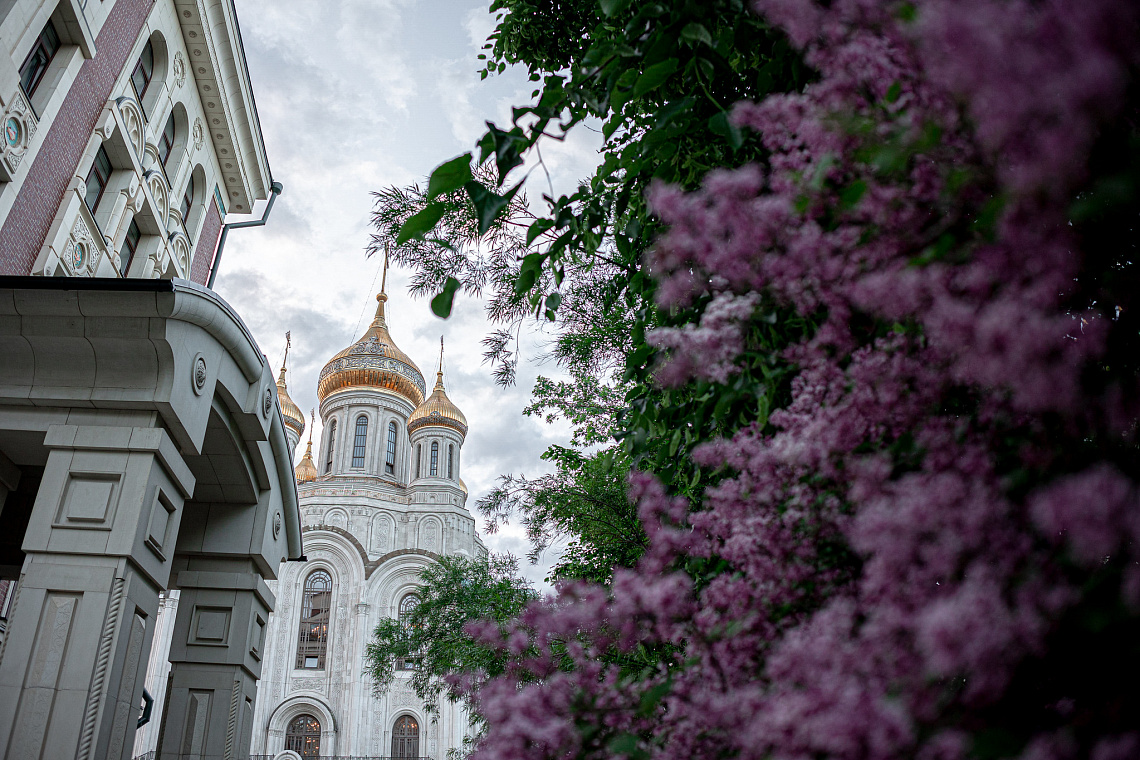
{"x": 354, "y": 96}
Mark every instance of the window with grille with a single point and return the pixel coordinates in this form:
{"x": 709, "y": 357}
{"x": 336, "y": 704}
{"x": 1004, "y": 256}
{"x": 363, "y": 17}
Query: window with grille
{"x": 313, "y": 636}
{"x": 166, "y": 140}
{"x": 97, "y": 179}
{"x": 144, "y": 71}
{"x": 450, "y": 457}
{"x": 332, "y": 443}
{"x": 36, "y": 64}
{"x": 304, "y": 736}
{"x": 130, "y": 245}
{"x": 406, "y": 737}
{"x": 361, "y": 441}
{"x": 434, "y": 459}
{"x": 390, "y": 458}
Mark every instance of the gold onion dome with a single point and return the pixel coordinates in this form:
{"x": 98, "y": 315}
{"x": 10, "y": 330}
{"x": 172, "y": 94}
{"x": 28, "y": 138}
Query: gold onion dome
{"x": 306, "y": 470}
{"x": 374, "y": 361}
{"x": 294, "y": 420}
{"x": 438, "y": 410}
{"x": 462, "y": 486}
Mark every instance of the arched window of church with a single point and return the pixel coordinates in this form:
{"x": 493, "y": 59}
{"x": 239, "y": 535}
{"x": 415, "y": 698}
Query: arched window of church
{"x": 304, "y": 736}
{"x": 361, "y": 441}
{"x": 434, "y": 459}
{"x": 450, "y": 457}
{"x": 390, "y": 459}
{"x": 313, "y": 636}
{"x": 332, "y": 443}
{"x": 404, "y": 616}
{"x": 406, "y": 737}
{"x": 419, "y": 450}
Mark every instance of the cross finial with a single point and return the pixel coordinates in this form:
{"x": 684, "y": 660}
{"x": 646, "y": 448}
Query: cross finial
{"x": 384, "y": 279}
{"x": 441, "y": 353}
{"x": 288, "y": 342}
{"x": 312, "y": 421}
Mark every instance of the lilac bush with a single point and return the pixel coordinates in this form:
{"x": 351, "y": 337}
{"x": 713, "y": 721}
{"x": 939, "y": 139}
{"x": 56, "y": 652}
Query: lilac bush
{"x": 932, "y": 550}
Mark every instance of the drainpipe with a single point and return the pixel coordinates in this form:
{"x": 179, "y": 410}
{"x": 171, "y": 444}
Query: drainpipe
{"x": 275, "y": 190}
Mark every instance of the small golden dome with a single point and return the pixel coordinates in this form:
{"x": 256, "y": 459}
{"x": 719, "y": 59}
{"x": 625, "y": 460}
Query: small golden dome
{"x": 373, "y": 361}
{"x": 294, "y": 420}
{"x": 438, "y": 410}
{"x": 462, "y": 486}
{"x": 306, "y": 470}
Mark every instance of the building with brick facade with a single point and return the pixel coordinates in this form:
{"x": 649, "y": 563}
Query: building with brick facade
{"x": 143, "y": 447}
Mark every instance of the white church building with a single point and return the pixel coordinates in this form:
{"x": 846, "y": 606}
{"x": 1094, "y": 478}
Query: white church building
{"x": 381, "y": 498}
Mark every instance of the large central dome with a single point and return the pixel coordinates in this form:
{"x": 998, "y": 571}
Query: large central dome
{"x": 374, "y": 361}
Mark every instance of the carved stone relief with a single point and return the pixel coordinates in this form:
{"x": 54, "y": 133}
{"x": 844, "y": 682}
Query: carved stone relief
{"x": 80, "y": 251}
{"x": 19, "y": 124}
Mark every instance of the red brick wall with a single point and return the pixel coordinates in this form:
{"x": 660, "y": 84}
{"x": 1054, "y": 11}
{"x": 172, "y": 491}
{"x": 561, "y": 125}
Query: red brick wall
{"x": 27, "y": 224}
{"x": 207, "y": 243}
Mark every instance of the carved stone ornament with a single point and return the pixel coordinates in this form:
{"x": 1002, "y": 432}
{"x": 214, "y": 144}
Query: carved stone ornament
{"x": 134, "y": 126}
{"x": 181, "y": 251}
{"x": 179, "y": 69}
{"x": 199, "y": 134}
{"x": 19, "y": 124}
{"x": 276, "y": 524}
{"x": 198, "y": 374}
{"x": 159, "y": 192}
{"x": 267, "y": 402}
{"x": 80, "y": 251}
{"x": 307, "y": 684}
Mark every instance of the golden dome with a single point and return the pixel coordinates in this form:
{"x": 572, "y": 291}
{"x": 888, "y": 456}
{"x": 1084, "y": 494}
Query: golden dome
{"x": 438, "y": 410}
{"x": 373, "y": 361}
{"x": 306, "y": 470}
{"x": 462, "y": 486}
{"x": 294, "y": 420}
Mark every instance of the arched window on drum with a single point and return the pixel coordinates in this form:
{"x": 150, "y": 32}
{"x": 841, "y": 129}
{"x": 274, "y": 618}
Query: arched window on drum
{"x": 434, "y": 459}
{"x": 390, "y": 457}
{"x": 332, "y": 444}
{"x": 361, "y": 441}
{"x": 304, "y": 736}
{"x": 313, "y": 635}
{"x": 406, "y": 738}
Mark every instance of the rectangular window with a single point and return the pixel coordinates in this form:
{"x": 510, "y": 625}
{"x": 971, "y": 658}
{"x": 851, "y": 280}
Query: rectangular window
{"x": 361, "y": 441}
{"x": 130, "y": 245}
{"x": 144, "y": 70}
{"x": 38, "y": 60}
{"x": 97, "y": 179}
{"x": 434, "y": 459}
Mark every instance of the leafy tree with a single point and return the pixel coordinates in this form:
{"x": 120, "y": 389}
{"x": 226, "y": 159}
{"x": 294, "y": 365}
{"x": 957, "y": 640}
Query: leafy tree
{"x": 584, "y": 502}
{"x": 454, "y": 591}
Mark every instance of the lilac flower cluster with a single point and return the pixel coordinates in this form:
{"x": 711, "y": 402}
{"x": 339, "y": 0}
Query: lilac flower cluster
{"x": 897, "y": 566}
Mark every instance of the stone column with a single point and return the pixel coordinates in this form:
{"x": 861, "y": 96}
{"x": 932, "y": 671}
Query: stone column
{"x": 215, "y": 658}
{"x": 98, "y": 546}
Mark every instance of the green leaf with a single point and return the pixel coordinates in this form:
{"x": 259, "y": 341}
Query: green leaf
{"x": 623, "y": 744}
{"x": 420, "y": 223}
{"x": 893, "y": 92}
{"x": 612, "y": 7}
{"x": 441, "y": 304}
{"x": 652, "y": 697}
{"x": 851, "y": 194}
{"x": 450, "y": 176}
{"x": 654, "y": 77}
{"x": 720, "y": 125}
{"x": 528, "y": 272}
{"x": 488, "y": 205}
{"x": 536, "y": 229}
{"x": 695, "y": 32}
{"x": 553, "y": 301}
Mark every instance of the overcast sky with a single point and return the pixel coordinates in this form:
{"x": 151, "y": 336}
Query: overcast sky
{"x": 353, "y": 96}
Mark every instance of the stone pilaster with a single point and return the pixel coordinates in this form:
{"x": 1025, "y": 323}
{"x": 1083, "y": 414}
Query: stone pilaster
{"x": 99, "y": 545}
{"x": 215, "y": 658}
